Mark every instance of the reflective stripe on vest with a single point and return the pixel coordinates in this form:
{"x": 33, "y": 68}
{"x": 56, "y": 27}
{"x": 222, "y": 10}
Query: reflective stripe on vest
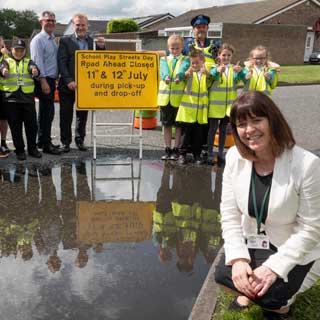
{"x": 171, "y": 92}
{"x": 18, "y": 77}
{"x": 194, "y": 104}
{"x": 258, "y": 82}
{"x": 222, "y": 95}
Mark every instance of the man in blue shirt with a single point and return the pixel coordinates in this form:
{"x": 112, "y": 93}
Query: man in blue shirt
{"x": 43, "y": 49}
{"x": 68, "y": 45}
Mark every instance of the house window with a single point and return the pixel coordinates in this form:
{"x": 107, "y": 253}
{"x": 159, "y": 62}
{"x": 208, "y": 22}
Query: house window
{"x": 308, "y": 42}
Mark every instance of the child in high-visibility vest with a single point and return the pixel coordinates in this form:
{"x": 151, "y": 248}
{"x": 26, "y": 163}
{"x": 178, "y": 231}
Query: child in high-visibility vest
{"x": 222, "y": 94}
{"x": 193, "y": 109}
{"x": 259, "y": 73}
{"x": 18, "y": 74}
{"x": 172, "y": 69}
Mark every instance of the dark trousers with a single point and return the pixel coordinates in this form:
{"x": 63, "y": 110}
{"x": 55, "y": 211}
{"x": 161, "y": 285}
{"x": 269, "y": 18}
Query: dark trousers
{"x": 213, "y": 126}
{"x": 20, "y": 114}
{"x": 66, "y": 114}
{"x": 192, "y": 138}
{"x": 46, "y": 111}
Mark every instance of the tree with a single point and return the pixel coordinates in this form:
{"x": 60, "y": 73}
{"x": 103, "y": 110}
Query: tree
{"x": 26, "y": 22}
{"x": 19, "y": 24}
{"x": 122, "y": 25}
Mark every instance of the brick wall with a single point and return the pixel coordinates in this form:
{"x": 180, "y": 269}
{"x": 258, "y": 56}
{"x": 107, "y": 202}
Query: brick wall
{"x": 286, "y": 43}
{"x": 303, "y": 14}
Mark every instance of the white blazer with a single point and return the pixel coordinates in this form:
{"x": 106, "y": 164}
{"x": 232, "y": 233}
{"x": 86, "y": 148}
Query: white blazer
{"x": 293, "y": 221}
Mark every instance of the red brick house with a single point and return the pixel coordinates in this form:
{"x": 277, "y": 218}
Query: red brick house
{"x": 289, "y": 28}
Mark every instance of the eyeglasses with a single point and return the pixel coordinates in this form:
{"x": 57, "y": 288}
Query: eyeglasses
{"x": 49, "y": 20}
{"x": 259, "y": 58}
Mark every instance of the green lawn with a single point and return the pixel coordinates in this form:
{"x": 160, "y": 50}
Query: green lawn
{"x": 300, "y": 74}
{"x": 306, "y": 307}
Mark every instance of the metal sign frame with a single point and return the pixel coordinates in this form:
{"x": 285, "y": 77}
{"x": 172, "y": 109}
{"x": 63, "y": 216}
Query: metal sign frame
{"x": 95, "y": 124}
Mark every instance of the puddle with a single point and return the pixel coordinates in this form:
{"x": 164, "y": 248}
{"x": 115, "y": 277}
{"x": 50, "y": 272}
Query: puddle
{"x": 117, "y": 240}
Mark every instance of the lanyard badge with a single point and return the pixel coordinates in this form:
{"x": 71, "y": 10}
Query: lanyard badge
{"x": 258, "y": 241}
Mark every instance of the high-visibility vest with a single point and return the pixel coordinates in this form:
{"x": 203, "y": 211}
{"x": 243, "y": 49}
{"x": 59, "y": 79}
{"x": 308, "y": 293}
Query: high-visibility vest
{"x": 259, "y": 83}
{"x": 1, "y": 78}
{"x": 18, "y": 76}
{"x": 164, "y": 222}
{"x": 207, "y": 53}
{"x": 171, "y": 92}
{"x": 222, "y": 94}
{"x": 194, "y": 103}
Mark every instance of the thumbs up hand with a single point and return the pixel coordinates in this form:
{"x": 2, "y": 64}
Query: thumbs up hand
{"x": 237, "y": 67}
{"x": 249, "y": 75}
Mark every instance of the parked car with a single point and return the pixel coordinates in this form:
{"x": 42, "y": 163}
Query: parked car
{"x": 315, "y": 57}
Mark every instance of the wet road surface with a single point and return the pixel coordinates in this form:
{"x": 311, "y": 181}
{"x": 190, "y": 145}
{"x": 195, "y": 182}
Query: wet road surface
{"x": 106, "y": 240}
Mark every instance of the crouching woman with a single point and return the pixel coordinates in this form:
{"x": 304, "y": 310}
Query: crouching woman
{"x": 270, "y": 210}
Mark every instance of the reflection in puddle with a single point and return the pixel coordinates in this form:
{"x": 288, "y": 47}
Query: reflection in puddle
{"x": 106, "y": 240}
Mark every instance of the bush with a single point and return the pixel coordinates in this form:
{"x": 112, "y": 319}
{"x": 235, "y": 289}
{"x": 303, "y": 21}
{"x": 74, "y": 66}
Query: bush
{"x": 122, "y": 25}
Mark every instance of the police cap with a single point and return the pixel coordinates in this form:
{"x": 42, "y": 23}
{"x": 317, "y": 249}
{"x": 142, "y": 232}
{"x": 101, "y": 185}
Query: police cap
{"x": 200, "y": 19}
{"x": 18, "y": 44}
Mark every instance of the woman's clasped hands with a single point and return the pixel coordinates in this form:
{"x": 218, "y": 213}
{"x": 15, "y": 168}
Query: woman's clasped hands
{"x": 252, "y": 283}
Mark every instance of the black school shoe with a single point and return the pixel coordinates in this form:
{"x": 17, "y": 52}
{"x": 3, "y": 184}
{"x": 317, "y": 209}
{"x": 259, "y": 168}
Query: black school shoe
{"x": 174, "y": 154}
{"x": 81, "y": 146}
{"x": 167, "y": 154}
{"x": 35, "y": 153}
{"x": 5, "y": 147}
{"x": 65, "y": 148}
{"x": 51, "y": 149}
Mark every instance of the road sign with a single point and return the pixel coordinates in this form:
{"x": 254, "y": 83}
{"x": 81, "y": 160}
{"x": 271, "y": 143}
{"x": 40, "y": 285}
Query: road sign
{"x": 116, "y": 80}
{"x": 117, "y": 221}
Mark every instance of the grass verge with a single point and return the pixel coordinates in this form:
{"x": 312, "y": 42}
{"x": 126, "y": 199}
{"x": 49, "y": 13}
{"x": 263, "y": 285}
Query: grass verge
{"x": 306, "y": 307}
{"x": 300, "y": 74}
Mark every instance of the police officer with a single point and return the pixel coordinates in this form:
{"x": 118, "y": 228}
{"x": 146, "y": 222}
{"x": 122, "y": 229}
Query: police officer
{"x": 200, "y": 25}
{"x": 18, "y": 73}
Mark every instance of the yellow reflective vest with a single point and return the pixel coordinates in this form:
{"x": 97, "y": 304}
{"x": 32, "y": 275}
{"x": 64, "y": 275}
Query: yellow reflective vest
{"x": 18, "y": 76}
{"x": 207, "y": 54}
{"x": 194, "y": 103}
{"x": 171, "y": 92}
{"x": 222, "y": 94}
{"x": 1, "y": 78}
{"x": 258, "y": 82}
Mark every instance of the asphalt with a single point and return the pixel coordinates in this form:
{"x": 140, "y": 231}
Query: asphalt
{"x": 300, "y": 105}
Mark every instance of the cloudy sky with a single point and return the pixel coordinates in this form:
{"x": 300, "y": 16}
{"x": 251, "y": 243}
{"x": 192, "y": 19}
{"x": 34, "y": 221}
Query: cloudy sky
{"x": 113, "y": 8}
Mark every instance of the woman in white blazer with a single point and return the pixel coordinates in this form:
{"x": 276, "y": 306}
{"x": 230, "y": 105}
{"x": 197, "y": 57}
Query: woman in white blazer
{"x": 270, "y": 210}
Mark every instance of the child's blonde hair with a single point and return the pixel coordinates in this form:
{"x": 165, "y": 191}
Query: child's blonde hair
{"x": 174, "y": 39}
{"x": 226, "y": 46}
{"x": 260, "y": 48}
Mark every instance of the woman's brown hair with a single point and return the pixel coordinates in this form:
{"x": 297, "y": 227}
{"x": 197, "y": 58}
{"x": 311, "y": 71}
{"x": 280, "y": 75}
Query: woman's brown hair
{"x": 256, "y": 104}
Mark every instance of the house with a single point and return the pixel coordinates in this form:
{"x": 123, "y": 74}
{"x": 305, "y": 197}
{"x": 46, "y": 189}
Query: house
{"x": 289, "y": 28}
{"x": 144, "y": 23}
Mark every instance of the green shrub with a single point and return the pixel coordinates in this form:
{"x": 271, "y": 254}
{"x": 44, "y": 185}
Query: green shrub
{"x": 122, "y": 25}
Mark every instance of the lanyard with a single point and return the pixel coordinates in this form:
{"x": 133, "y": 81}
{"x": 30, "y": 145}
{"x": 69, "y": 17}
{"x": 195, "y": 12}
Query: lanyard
{"x": 254, "y": 199}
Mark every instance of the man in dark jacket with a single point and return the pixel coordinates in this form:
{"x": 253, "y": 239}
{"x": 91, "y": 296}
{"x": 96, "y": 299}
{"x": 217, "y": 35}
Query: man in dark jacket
{"x": 79, "y": 40}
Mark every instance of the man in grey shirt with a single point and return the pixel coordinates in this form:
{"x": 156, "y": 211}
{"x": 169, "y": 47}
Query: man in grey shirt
{"x": 43, "y": 49}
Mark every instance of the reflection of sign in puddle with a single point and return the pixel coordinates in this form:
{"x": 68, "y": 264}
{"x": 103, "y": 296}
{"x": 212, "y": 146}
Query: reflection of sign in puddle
{"x": 117, "y": 221}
